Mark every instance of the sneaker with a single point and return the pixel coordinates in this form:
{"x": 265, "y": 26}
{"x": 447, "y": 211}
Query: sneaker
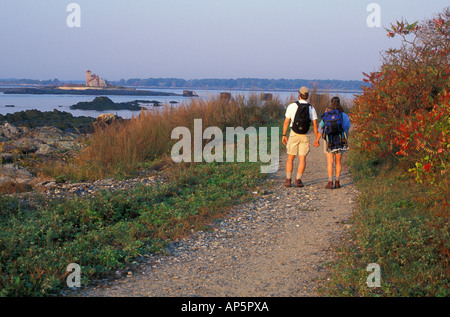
{"x": 287, "y": 183}
{"x": 329, "y": 185}
{"x": 337, "y": 185}
{"x": 298, "y": 183}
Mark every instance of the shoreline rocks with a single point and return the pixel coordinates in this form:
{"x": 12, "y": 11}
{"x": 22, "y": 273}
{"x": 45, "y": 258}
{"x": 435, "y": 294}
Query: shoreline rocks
{"x": 16, "y": 143}
{"x": 105, "y": 104}
{"x": 34, "y": 118}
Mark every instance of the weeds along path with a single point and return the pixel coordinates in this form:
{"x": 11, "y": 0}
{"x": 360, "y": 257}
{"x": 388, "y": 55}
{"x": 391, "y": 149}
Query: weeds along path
{"x": 277, "y": 245}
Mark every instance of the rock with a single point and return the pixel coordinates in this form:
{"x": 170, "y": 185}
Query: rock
{"x": 9, "y": 131}
{"x": 35, "y": 118}
{"x": 18, "y": 142}
{"x": 45, "y": 149}
{"x": 105, "y": 104}
{"x": 189, "y": 93}
{"x": 10, "y": 170}
{"x": 25, "y": 146}
{"x": 41, "y": 140}
{"x": 14, "y": 179}
{"x": 107, "y": 118}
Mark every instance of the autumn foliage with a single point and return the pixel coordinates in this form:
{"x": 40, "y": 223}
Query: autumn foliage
{"x": 404, "y": 114}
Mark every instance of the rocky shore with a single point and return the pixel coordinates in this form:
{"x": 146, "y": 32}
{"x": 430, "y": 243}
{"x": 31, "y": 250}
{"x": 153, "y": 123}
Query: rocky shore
{"x": 16, "y": 143}
{"x": 20, "y": 145}
{"x": 59, "y": 119}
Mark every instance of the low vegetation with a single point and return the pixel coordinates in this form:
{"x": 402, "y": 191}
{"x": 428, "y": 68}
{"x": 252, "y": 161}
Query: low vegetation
{"x": 108, "y": 231}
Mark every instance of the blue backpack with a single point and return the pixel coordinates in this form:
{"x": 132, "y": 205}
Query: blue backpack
{"x": 334, "y": 133}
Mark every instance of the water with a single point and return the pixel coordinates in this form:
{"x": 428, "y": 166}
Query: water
{"x": 63, "y": 102}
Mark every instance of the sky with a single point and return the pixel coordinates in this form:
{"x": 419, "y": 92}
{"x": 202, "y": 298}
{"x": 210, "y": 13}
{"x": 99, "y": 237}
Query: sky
{"x": 195, "y": 39}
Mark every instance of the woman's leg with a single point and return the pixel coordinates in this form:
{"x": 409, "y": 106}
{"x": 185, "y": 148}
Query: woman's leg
{"x": 338, "y": 169}
{"x": 330, "y": 161}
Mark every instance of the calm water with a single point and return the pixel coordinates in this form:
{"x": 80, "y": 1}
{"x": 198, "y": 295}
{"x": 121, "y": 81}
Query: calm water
{"x": 63, "y": 102}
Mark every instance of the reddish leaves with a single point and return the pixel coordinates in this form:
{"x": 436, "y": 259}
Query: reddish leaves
{"x": 405, "y": 112}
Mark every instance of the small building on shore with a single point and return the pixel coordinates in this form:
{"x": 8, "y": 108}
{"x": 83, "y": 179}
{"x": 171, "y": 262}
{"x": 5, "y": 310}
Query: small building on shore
{"x": 93, "y": 80}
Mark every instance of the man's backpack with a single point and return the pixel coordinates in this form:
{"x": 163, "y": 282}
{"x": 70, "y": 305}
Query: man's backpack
{"x": 334, "y": 133}
{"x": 302, "y": 120}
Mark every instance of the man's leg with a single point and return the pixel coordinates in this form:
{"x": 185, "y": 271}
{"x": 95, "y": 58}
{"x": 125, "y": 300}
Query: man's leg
{"x": 300, "y": 171}
{"x": 301, "y": 166}
{"x": 289, "y": 167}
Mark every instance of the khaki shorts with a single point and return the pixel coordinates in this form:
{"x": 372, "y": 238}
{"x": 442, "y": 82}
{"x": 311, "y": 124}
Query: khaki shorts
{"x": 298, "y": 144}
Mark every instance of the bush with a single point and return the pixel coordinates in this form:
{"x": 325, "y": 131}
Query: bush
{"x": 399, "y": 162}
{"x": 405, "y": 114}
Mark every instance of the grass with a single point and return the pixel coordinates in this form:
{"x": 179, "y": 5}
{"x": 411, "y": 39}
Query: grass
{"x": 105, "y": 232}
{"x": 399, "y": 227}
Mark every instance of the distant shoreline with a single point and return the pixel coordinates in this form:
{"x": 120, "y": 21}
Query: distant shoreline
{"x": 91, "y": 92}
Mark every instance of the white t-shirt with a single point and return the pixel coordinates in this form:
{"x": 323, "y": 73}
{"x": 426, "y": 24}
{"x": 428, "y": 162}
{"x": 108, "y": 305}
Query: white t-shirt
{"x": 292, "y": 110}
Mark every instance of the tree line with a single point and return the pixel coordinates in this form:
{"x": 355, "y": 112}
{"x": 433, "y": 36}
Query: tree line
{"x": 242, "y": 83}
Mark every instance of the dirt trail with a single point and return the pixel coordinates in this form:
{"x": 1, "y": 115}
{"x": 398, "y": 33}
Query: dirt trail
{"x": 276, "y": 245}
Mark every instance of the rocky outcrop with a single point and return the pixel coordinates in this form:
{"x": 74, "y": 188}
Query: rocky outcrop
{"x": 14, "y": 179}
{"x": 105, "y": 104}
{"x": 41, "y": 140}
{"x": 19, "y": 142}
{"x": 34, "y": 118}
{"x": 189, "y": 93}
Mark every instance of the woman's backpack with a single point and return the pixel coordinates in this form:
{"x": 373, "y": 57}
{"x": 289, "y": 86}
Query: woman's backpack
{"x": 333, "y": 131}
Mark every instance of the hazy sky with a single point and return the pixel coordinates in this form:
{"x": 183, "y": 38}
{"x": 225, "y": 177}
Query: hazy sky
{"x": 321, "y": 39}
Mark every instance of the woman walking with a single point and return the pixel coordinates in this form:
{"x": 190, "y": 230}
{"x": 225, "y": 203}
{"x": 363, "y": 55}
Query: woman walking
{"x": 335, "y": 143}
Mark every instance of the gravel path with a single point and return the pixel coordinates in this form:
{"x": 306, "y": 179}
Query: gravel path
{"x": 276, "y": 245}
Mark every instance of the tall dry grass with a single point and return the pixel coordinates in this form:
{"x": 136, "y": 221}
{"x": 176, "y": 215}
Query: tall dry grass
{"x": 121, "y": 148}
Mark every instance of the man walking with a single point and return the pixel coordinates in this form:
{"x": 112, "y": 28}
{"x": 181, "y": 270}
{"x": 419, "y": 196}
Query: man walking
{"x": 298, "y": 117}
